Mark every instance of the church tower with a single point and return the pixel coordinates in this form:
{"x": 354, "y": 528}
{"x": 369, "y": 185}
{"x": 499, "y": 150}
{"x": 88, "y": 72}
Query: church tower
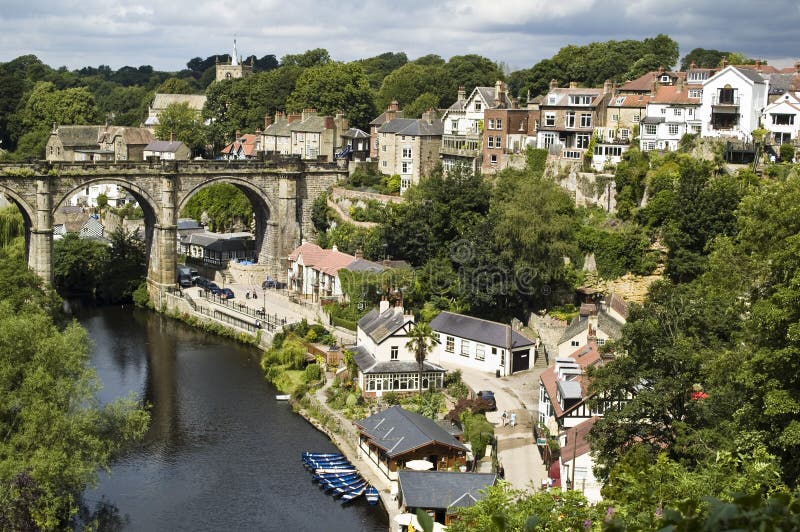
{"x": 235, "y": 69}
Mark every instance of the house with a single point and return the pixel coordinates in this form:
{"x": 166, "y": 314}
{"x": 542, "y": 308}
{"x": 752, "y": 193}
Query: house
{"x": 409, "y": 147}
{"x": 392, "y": 111}
{"x": 441, "y": 493}
{"x": 93, "y": 228}
{"x": 234, "y": 69}
{"x": 506, "y": 133}
{"x": 126, "y": 143}
{"x": 782, "y": 118}
{"x": 75, "y": 143}
{"x": 244, "y": 146}
{"x": 732, "y": 103}
{"x": 90, "y": 196}
{"x": 314, "y": 137}
{"x": 624, "y": 112}
{"x": 385, "y": 363}
{"x": 169, "y": 150}
{"x": 313, "y": 271}
{"x": 576, "y": 462}
{"x": 355, "y": 145}
{"x": 480, "y": 344}
{"x": 672, "y": 112}
{"x": 186, "y": 227}
{"x": 568, "y": 118}
{"x": 463, "y": 125}
{"x": 161, "y": 101}
{"x": 395, "y": 436}
{"x": 602, "y": 320}
{"x": 217, "y": 249}
{"x": 276, "y": 137}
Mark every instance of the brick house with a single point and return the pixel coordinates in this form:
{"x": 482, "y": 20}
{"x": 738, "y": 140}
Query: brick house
{"x": 505, "y": 135}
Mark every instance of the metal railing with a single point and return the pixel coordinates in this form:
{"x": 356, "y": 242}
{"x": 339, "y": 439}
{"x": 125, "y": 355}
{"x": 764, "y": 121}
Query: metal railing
{"x": 732, "y": 100}
{"x": 268, "y": 321}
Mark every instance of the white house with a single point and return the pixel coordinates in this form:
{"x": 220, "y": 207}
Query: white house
{"x": 576, "y": 462}
{"x": 782, "y": 118}
{"x": 384, "y": 362}
{"x": 480, "y": 344}
{"x": 602, "y": 321}
{"x": 733, "y": 101}
{"x": 673, "y": 111}
{"x": 314, "y": 271}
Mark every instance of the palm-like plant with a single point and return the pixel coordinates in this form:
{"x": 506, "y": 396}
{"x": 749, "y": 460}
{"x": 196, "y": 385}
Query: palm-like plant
{"x": 421, "y": 341}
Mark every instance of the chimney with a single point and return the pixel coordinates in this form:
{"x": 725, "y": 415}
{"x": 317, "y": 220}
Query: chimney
{"x": 573, "y": 84}
{"x": 335, "y": 249}
{"x": 693, "y": 66}
{"x": 660, "y": 70}
{"x": 394, "y": 106}
{"x": 680, "y": 85}
{"x": 498, "y": 93}
{"x": 514, "y": 103}
{"x": 268, "y": 121}
{"x": 172, "y": 136}
{"x": 758, "y": 65}
{"x": 725, "y": 62}
{"x": 238, "y": 135}
{"x": 308, "y": 112}
{"x": 553, "y": 84}
{"x": 430, "y": 115}
{"x": 654, "y": 87}
{"x": 384, "y": 305}
{"x": 279, "y": 116}
{"x": 329, "y": 124}
{"x": 462, "y": 93}
{"x": 359, "y": 254}
{"x": 293, "y": 117}
{"x": 607, "y": 86}
{"x": 398, "y": 306}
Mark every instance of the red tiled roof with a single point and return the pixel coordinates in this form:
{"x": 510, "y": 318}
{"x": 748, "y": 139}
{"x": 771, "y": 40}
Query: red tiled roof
{"x": 644, "y": 83}
{"x": 246, "y": 142}
{"x": 670, "y": 94}
{"x": 310, "y": 252}
{"x": 630, "y": 100}
{"x": 585, "y": 356}
{"x": 762, "y": 69}
{"x": 577, "y": 440}
{"x": 325, "y": 260}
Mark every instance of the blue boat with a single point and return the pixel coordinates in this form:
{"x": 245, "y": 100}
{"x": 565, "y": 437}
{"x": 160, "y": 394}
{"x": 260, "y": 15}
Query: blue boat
{"x": 341, "y": 470}
{"x": 343, "y": 485}
{"x": 371, "y": 495}
{"x": 325, "y": 460}
{"x": 336, "y": 482}
{"x": 347, "y": 497}
{"x": 330, "y": 463}
{"x": 322, "y": 455}
{"x": 347, "y": 489}
{"x": 330, "y": 476}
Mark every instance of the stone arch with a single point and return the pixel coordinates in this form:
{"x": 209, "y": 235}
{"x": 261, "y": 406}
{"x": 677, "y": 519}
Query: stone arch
{"x": 142, "y": 196}
{"x": 28, "y": 216}
{"x": 263, "y": 209}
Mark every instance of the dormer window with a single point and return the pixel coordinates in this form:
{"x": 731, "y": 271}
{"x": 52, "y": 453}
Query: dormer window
{"x": 665, "y": 79}
{"x": 581, "y": 99}
{"x": 551, "y": 99}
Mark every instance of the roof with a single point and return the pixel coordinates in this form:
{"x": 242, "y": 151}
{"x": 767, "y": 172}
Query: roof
{"x": 751, "y": 74}
{"x": 364, "y": 265}
{"x": 670, "y": 94}
{"x": 130, "y": 135}
{"x": 415, "y": 127}
{"x": 195, "y": 101}
{"x": 380, "y": 326}
{"x": 78, "y": 135}
{"x": 562, "y": 96}
{"x": 164, "y": 146}
{"x": 185, "y": 224}
{"x": 584, "y": 357}
{"x": 382, "y": 118}
{"x": 368, "y": 364}
{"x": 355, "y": 133}
{"x": 280, "y": 128}
{"x": 312, "y": 124}
{"x": 398, "y": 431}
{"x": 629, "y": 100}
{"x": 476, "y": 329}
{"x": 443, "y": 489}
{"x": 653, "y": 120}
{"x": 246, "y": 142}
{"x": 780, "y": 83}
{"x": 644, "y": 83}
{"x": 489, "y": 93}
{"x": 328, "y": 261}
{"x": 207, "y": 239}
{"x": 605, "y": 322}
{"x": 577, "y": 440}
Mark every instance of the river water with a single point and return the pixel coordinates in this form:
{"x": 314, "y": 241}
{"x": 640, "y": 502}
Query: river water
{"x": 221, "y": 453}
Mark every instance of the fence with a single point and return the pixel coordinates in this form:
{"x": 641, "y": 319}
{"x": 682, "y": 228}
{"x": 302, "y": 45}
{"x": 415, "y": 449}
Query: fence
{"x": 269, "y": 322}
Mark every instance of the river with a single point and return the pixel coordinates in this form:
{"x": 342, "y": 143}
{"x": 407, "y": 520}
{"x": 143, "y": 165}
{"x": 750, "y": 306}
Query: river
{"x": 221, "y": 453}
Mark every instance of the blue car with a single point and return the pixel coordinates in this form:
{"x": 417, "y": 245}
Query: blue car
{"x": 226, "y": 293}
{"x": 213, "y": 288}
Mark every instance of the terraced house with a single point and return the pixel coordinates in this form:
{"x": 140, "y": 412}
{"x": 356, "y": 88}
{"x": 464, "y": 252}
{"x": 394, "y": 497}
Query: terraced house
{"x": 409, "y": 147}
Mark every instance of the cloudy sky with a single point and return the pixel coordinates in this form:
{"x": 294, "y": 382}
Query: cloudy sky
{"x": 519, "y": 33}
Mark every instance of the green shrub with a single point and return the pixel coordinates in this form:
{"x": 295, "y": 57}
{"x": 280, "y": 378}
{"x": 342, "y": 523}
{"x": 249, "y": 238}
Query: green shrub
{"x": 391, "y": 398}
{"x": 786, "y": 153}
{"x": 313, "y": 373}
{"x": 141, "y": 297}
{"x": 299, "y": 392}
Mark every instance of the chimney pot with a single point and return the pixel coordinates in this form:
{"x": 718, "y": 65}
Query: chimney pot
{"x": 573, "y": 84}
{"x": 462, "y": 93}
{"x": 553, "y": 84}
{"x": 394, "y": 106}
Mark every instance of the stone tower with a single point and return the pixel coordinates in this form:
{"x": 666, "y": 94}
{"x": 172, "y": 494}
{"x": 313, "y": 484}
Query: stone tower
{"x": 235, "y": 69}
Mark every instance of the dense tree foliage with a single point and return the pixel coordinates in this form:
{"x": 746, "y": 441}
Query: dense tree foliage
{"x": 55, "y": 434}
{"x": 703, "y": 58}
{"x": 378, "y": 67}
{"x": 180, "y": 122}
{"x": 222, "y": 206}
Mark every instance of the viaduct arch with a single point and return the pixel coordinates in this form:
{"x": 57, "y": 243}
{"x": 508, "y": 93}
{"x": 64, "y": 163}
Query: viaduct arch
{"x": 282, "y": 193}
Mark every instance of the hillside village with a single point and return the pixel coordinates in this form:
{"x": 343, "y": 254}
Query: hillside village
{"x": 646, "y": 209}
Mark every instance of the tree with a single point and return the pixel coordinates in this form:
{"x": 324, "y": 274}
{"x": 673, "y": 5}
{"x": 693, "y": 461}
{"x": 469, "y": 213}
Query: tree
{"x": 79, "y": 265}
{"x": 421, "y": 340}
{"x": 378, "y": 67}
{"x": 181, "y": 122}
{"x": 411, "y": 80}
{"x": 333, "y": 88}
{"x": 175, "y": 86}
{"x": 421, "y": 104}
{"x": 308, "y": 59}
{"x": 223, "y": 203}
{"x": 126, "y": 268}
{"x": 703, "y": 58}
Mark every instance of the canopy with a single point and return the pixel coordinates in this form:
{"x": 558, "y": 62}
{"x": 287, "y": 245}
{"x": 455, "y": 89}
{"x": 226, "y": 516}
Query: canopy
{"x": 419, "y": 465}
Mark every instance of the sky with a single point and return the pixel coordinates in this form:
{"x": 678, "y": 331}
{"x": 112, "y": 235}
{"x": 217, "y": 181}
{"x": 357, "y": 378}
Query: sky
{"x": 516, "y": 33}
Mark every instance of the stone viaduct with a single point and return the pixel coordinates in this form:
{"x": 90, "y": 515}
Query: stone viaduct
{"x": 281, "y": 191}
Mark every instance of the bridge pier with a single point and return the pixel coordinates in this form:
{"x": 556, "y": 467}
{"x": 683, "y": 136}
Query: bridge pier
{"x": 40, "y": 254}
{"x": 163, "y": 249}
{"x": 287, "y": 235}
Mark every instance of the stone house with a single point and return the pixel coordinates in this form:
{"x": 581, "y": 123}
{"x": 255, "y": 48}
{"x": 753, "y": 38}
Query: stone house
{"x": 97, "y": 143}
{"x": 409, "y": 147}
{"x": 161, "y": 101}
{"x": 392, "y": 111}
{"x": 601, "y": 321}
{"x": 276, "y": 137}
{"x": 168, "y": 150}
{"x": 314, "y": 137}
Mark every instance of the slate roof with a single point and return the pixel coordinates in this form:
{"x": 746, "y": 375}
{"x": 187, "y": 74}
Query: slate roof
{"x": 399, "y": 431}
{"x": 278, "y": 129}
{"x": 130, "y": 135}
{"x": 208, "y": 239}
{"x": 185, "y": 224}
{"x": 195, "y": 101}
{"x": 488, "y": 95}
{"x": 605, "y": 322}
{"x": 380, "y": 326}
{"x": 382, "y": 118}
{"x": 443, "y": 489}
{"x": 164, "y": 146}
{"x": 78, "y": 135}
{"x": 312, "y": 124}
{"x": 367, "y": 363}
{"x": 752, "y": 75}
{"x": 584, "y": 357}
{"x": 413, "y": 127}
{"x": 355, "y": 133}
{"x": 364, "y": 265}
{"x": 476, "y": 329}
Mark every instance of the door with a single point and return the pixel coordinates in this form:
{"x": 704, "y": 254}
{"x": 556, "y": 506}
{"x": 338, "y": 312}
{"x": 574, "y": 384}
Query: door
{"x": 520, "y": 360}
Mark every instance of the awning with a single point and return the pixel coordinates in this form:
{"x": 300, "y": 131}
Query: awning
{"x": 555, "y": 475}
{"x": 652, "y": 119}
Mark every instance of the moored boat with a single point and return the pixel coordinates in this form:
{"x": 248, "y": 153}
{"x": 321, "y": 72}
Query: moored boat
{"x": 335, "y": 470}
{"x": 347, "y": 489}
{"x": 371, "y": 494}
{"x": 347, "y": 497}
{"x": 322, "y": 455}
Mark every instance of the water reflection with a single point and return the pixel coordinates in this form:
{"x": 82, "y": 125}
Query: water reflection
{"x": 221, "y": 453}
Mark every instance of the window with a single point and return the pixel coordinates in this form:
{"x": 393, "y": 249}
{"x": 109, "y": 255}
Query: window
{"x": 569, "y": 121}
{"x": 406, "y": 153}
{"x": 490, "y": 124}
{"x": 601, "y": 341}
{"x": 548, "y": 139}
{"x": 649, "y": 146}
{"x": 575, "y": 343}
{"x": 405, "y": 182}
{"x": 571, "y": 154}
{"x": 624, "y": 134}
{"x": 673, "y": 129}
{"x": 499, "y": 123}
{"x": 665, "y": 79}
{"x": 582, "y": 141}
{"x": 480, "y": 353}
{"x": 402, "y": 137}
{"x": 580, "y": 99}
{"x": 454, "y": 125}
{"x": 498, "y": 142}
{"x": 782, "y": 119}
{"x": 615, "y": 118}
{"x": 551, "y": 99}
{"x": 405, "y": 168}
{"x": 636, "y": 118}
{"x": 549, "y": 119}
{"x": 465, "y": 348}
{"x": 395, "y": 352}
{"x": 477, "y": 106}
{"x": 650, "y": 129}
{"x": 383, "y": 148}
{"x": 384, "y": 164}
{"x": 663, "y": 110}
{"x": 490, "y": 142}
{"x": 695, "y": 93}
{"x": 494, "y": 350}
{"x": 449, "y": 344}
{"x": 586, "y": 120}
{"x": 690, "y": 112}
{"x": 493, "y": 159}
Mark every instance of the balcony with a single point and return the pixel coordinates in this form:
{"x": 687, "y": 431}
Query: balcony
{"x": 461, "y": 145}
{"x": 725, "y": 101}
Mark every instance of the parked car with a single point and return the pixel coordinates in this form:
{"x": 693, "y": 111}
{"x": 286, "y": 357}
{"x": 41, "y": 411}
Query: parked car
{"x": 488, "y": 396}
{"x": 213, "y": 288}
{"x": 269, "y": 283}
{"x": 202, "y": 282}
{"x": 226, "y": 293}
